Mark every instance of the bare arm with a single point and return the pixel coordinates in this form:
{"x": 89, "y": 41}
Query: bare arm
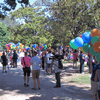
{"x": 96, "y": 76}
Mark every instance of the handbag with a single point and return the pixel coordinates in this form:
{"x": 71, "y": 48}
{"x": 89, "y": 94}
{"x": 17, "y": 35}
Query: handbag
{"x": 26, "y": 67}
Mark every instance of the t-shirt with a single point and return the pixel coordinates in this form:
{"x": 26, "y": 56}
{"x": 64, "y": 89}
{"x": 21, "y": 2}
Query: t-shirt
{"x": 27, "y": 61}
{"x": 48, "y": 56}
{"x": 95, "y": 68}
{"x": 35, "y": 63}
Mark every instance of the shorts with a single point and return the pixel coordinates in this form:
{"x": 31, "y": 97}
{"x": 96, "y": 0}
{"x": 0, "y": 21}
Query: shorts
{"x": 94, "y": 87}
{"x": 26, "y": 71}
{"x": 35, "y": 74}
{"x": 49, "y": 66}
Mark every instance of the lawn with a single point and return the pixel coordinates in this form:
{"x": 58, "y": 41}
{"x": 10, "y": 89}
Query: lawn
{"x": 85, "y": 79}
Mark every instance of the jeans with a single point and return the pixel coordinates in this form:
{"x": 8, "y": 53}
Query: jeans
{"x": 57, "y": 76}
{"x": 81, "y": 67}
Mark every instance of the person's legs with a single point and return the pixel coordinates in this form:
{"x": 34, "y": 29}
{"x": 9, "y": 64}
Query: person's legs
{"x": 73, "y": 63}
{"x": 58, "y": 79}
{"x": 94, "y": 89}
{"x": 27, "y": 80}
{"x": 82, "y": 68}
{"x": 24, "y": 76}
{"x": 34, "y": 77}
{"x": 3, "y": 68}
{"x": 37, "y": 76}
{"x": 95, "y": 97}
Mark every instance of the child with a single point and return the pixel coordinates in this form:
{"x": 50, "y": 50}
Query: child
{"x": 57, "y": 71}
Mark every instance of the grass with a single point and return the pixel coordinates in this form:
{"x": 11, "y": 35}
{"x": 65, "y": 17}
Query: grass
{"x": 81, "y": 79}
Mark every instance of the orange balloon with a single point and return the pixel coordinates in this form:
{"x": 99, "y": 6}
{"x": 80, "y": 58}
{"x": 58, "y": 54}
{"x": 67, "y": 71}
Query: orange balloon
{"x": 49, "y": 47}
{"x": 95, "y": 32}
{"x": 96, "y": 46}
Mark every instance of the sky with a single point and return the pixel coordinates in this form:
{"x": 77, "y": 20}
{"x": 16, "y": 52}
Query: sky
{"x": 18, "y": 5}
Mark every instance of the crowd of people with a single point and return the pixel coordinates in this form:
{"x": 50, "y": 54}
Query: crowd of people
{"x": 48, "y": 60}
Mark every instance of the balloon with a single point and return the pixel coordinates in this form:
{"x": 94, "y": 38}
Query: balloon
{"x": 86, "y": 37}
{"x": 43, "y": 44}
{"x": 79, "y": 42}
{"x": 96, "y": 46}
{"x": 49, "y": 47}
{"x": 98, "y": 58}
{"x": 81, "y": 36}
{"x": 95, "y": 32}
{"x": 94, "y": 39}
{"x": 92, "y": 52}
{"x": 60, "y": 47}
{"x": 98, "y": 54}
{"x": 34, "y": 45}
{"x": 86, "y": 47}
{"x": 72, "y": 44}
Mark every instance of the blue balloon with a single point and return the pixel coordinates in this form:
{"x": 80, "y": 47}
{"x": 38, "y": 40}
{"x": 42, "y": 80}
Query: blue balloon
{"x": 60, "y": 47}
{"x": 86, "y": 37}
{"x": 43, "y": 44}
{"x": 34, "y": 45}
{"x": 79, "y": 42}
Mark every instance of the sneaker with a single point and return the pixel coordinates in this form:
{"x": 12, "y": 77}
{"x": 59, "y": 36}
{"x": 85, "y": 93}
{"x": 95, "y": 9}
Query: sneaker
{"x": 27, "y": 85}
{"x": 5, "y": 71}
{"x": 39, "y": 88}
{"x": 24, "y": 84}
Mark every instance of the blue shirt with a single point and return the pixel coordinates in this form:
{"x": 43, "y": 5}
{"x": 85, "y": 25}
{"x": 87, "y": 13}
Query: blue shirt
{"x": 35, "y": 63}
{"x": 95, "y": 68}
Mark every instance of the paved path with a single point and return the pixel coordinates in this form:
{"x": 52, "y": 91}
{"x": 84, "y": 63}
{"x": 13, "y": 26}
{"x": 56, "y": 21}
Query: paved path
{"x": 11, "y": 88}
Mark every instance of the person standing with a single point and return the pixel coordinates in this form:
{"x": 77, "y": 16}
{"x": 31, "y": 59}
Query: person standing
{"x": 48, "y": 62}
{"x": 94, "y": 85}
{"x": 82, "y": 59}
{"x": 55, "y": 62}
{"x": 36, "y": 64}
{"x": 15, "y": 57}
{"x": 25, "y": 61}
{"x": 97, "y": 79}
{"x": 75, "y": 58}
{"x": 4, "y": 62}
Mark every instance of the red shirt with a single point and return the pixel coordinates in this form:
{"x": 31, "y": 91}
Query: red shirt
{"x": 27, "y": 61}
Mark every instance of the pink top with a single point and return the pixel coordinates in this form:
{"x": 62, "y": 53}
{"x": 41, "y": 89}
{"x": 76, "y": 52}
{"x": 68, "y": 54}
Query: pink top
{"x": 27, "y": 61}
{"x": 75, "y": 55}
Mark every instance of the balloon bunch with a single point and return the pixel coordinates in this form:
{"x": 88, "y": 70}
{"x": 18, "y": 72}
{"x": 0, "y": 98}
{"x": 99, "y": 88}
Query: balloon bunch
{"x": 10, "y": 46}
{"x": 88, "y": 42}
{"x": 18, "y": 46}
{"x": 40, "y": 47}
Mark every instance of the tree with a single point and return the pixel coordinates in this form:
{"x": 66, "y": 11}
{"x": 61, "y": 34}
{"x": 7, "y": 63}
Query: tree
{"x": 4, "y": 35}
{"x": 33, "y": 27}
{"x": 70, "y": 18}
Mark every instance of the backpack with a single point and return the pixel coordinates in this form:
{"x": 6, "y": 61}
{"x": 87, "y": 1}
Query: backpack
{"x": 60, "y": 65}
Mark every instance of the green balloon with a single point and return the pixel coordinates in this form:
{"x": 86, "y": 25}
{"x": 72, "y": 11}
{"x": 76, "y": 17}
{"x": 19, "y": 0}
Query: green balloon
{"x": 86, "y": 47}
{"x": 72, "y": 44}
{"x": 88, "y": 32}
{"x": 92, "y": 52}
{"x": 98, "y": 58}
{"x": 98, "y": 54}
{"x": 94, "y": 39}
